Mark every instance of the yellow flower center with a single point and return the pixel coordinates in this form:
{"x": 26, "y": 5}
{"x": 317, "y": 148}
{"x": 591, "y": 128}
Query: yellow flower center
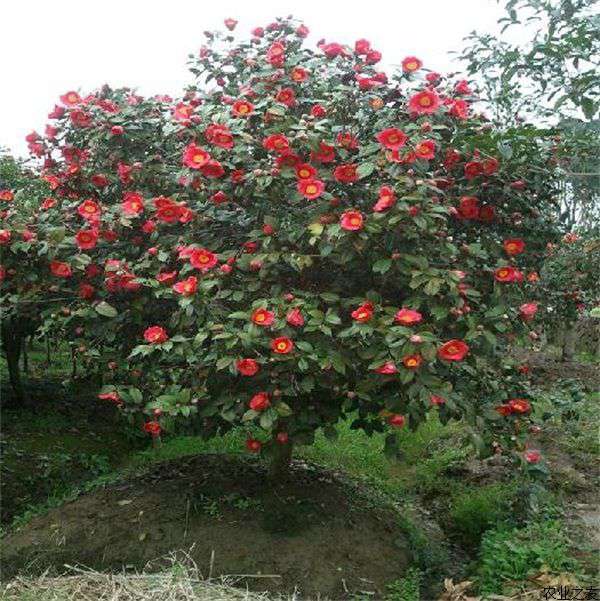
{"x": 355, "y": 221}
{"x": 243, "y": 108}
{"x": 198, "y": 158}
{"x": 425, "y": 101}
{"x": 259, "y": 317}
{"x": 281, "y": 346}
{"x": 312, "y": 189}
{"x": 411, "y": 66}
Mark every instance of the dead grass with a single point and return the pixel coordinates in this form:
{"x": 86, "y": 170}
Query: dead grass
{"x": 182, "y": 581}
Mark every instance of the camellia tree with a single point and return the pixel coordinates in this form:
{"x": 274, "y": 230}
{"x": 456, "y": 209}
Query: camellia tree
{"x": 300, "y": 238}
{"x": 22, "y": 277}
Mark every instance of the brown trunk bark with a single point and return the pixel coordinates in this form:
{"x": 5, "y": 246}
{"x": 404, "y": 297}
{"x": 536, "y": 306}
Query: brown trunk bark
{"x": 280, "y": 462}
{"x": 568, "y": 348}
{"x": 12, "y": 344}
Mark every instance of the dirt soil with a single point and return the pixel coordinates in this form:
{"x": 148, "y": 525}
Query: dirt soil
{"x": 315, "y": 532}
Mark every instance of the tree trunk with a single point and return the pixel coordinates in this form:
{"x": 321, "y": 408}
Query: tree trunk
{"x": 26, "y": 344}
{"x": 12, "y": 343}
{"x": 568, "y": 348}
{"x": 280, "y": 462}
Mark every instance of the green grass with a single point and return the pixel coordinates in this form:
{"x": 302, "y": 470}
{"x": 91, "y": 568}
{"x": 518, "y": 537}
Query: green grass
{"x": 509, "y": 555}
{"x": 426, "y": 455}
{"x": 476, "y": 510}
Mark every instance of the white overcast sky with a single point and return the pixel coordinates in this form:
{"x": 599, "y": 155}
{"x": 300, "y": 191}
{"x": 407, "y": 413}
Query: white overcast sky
{"x": 50, "y": 46}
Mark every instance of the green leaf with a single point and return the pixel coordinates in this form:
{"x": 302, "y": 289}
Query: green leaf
{"x": 224, "y": 362}
{"x": 283, "y": 409}
{"x": 365, "y": 169}
{"x": 307, "y": 347}
{"x": 433, "y": 286}
{"x": 238, "y": 315}
{"x": 382, "y": 265}
{"x": 105, "y": 309}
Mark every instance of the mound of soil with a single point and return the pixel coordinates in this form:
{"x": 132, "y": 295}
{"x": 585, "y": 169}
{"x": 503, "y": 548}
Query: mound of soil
{"x": 314, "y": 532}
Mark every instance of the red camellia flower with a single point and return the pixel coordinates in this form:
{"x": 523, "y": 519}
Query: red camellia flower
{"x": 412, "y": 361}
{"x": 111, "y": 396}
{"x": 425, "y": 150}
{"x": 253, "y": 445}
{"x": 262, "y": 317}
{"x": 195, "y": 157}
{"x": 295, "y": 318}
{"x": 490, "y": 166}
{"x": 7, "y": 195}
{"x": 242, "y": 108}
{"x": 155, "y": 335}
{"x": 386, "y": 200}
{"x": 364, "y": 313}
{"x": 305, "y": 171}
{"x": 425, "y": 102}
{"x": 286, "y": 96}
{"x": 311, "y": 188}
{"x": 527, "y": 311}
{"x": 411, "y": 64}
{"x": 460, "y": 109}
{"x": 187, "y": 287}
{"x": 332, "y": 50}
{"x": 276, "y": 54}
{"x": 468, "y": 207}
{"x": 89, "y": 210}
{"x": 396, "y": 420}
{"x": 437, "y": 400}
{"x": 99, "y": 180}
{"x": 514, "y": 246}
{"x": 362, "y": 47}
{"x": 276, "y": 142}
{"x": 473, "y": 169}
{"x": 532, "y": 456}
{"x": 282, "y": 437}
{"x": 388, "y": 368}
{"x": 487, "y": 213}
{"x": 506, "y": 274}
{"x": 462, "y": 87}
{"x": 503, "y": 409}
{"x": 318, "y": 111}
{"x": 230, "y": 24}
{"x": 167, "y": 277}
{"x": 408, "y": 317}
{"x": 86, "y": 239}
{"x": 247, "y": 367}
{"x": 153, "y": 428}
{"x": 86, "y": 291}
{"x": 453, "y": 350}
{"x": 325, "y": 154}
{"x": 5, "y": 237}
{"x": 80, "y": 118}
{"x": 133, "y": 203}
{"x": 346, "y": 174}
{"x": 347, "y": 140}
{"x": 212, "y": 169}
{"x": 282, "y": 345}
{"x": 519, "y": 406}
{"x": 60, "y": 269}
{"x": 299, "y": 74}
{"x": 219, "y": 135}
{"x": 259, "y": 402}
{"x": 352, "y": 221}
{"x": 202, "y": 259}
{"x": 70, "y": 98}
{"x": 392, "y": 138}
